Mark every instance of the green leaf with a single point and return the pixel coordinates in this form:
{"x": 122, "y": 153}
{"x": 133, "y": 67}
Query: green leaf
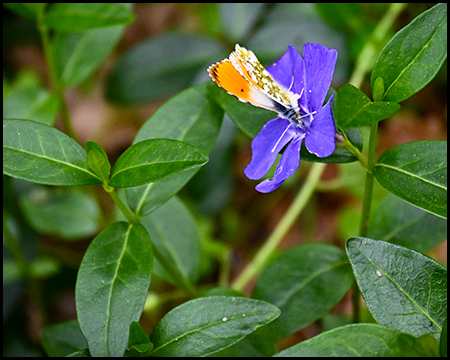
{"x": 69, "y": 213}
{"x": 403, "y": 289}
{"x": 315, "y": 278}
{"x": 352, "y": 108}
{"x": 112, "y": 285}
{"x": 28, "y": 10}
{"x": 72, "y": 17}
{"x": 161, "y": 66}
{"x": 259, "y": 343}
{"x": 422, "y": 346}
{"x": 138, "y": 343}
{"x": 355, "y": 340}
{"x": 340, "y": 154}
{"x": 378, "y": 89}
{"x": 204, "y": 326}
{"x": 398, "y": 222}
{"x": 154, "y": 160}
{"x": 193, "y": 117}
{"x": 77, "y": 55}
{"x": 180, "y": 244}
{"x": 414, "y": 55}
{"x": 80, "y": 353}
{"x": 222, "y": 291}
{"x": 42, "y": 154}
{"x": 62, "y": 339}
{"x": 98, "y": 160}
{"x": 27, "y": 99}
{"x": 417, "y": 173}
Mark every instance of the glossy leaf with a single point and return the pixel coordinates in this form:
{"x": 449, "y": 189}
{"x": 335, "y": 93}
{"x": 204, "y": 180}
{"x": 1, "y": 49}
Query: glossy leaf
{"x": 352, "y": 108}
{"x": 417, "y": 173}
{"x": 161, "y": 66}
{"x": 42, "y": 154}
{"x": 315, "y": 278}
{"x": 398, "y": 222}
{"x": 403, "y": 289}
{"x": 204, "y": 326}
{"x": 356, "y": 340}
{"x": 98, "y": 160}
{"x": 180, "y": 244}
{"x": 193, "y": 117}
{"x": 154, "y": 160}
{"x": 74, "y": 17}
{"x": 112, "y": 285}
{"x": 414, "y": 55}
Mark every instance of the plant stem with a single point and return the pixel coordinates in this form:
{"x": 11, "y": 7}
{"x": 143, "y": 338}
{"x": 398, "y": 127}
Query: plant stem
{"x": 366, "y": 57}
{"x": 25, "y": 270}
{"x": 364, "y": 62}
{"x": 355, "y": 150}
{"x": 266, "y": 251}
{"x": 368, "y": 189}
{"x": 56, "y": 83}
{"x": 120, "y": 204}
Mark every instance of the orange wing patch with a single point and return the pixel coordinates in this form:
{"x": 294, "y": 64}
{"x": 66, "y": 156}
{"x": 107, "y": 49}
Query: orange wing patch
{"x": 227, "y": 77}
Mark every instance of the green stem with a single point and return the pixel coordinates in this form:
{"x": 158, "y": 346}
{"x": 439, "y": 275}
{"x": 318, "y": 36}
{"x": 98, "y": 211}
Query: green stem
{"x": 25, "y": 271}
{"x": 363, "y": 64}
{"x": 122, "y": 207}
{"x": 225, "y": 267}
{"x": 56, "y": 83}
{"x": 367, "y": 55}
{"x": 266, "y": 251}
{"x": 365, "y": 215}
{"x": 355, "y": 150}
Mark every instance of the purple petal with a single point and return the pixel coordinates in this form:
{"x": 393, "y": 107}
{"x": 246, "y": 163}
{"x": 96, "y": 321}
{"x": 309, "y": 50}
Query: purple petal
{"x": 286, "y": 167}
{"x": 320, "y": 139}
{"x": 319, "y": 65}
{"x": 289, "y": 70}
{"x": 266, "y": 146}
{"x": 267, "y": 186}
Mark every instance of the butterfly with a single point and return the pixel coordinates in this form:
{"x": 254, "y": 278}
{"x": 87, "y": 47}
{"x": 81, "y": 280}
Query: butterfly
{"x": 243, "y": 76}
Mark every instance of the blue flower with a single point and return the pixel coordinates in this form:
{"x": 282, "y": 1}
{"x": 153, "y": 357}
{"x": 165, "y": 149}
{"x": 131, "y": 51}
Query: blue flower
{"x": 309, "y": 78}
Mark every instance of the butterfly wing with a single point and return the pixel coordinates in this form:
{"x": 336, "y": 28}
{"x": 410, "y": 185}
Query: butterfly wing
{"x": 235, "y": 83}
